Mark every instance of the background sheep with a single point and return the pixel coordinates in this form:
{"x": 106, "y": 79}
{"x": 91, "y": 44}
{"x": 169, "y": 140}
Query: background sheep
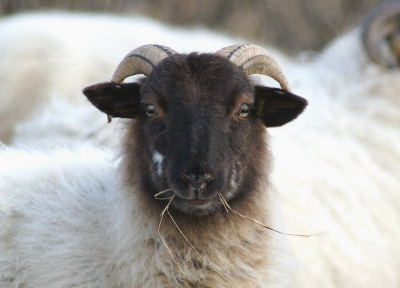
{"x": 195, "y": 137}
{"x": 338, "y": 167}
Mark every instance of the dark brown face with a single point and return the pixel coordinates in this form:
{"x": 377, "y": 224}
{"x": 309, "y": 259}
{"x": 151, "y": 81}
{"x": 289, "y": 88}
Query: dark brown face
{"x": 201, "y": 126}
{"x": 199, "y": 132}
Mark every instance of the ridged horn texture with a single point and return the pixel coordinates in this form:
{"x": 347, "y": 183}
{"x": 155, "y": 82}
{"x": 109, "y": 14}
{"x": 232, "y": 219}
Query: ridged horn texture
{"x": 141, "y": 60}
{"x": 381, "y": 34}
{"x": 255, "y": 60}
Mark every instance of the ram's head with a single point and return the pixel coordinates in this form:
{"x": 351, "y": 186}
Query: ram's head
{"x": 199, "y": 120}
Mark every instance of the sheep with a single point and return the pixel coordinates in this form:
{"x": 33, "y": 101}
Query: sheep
{"x": 195, "y": 136}
{"x": 349, "y": 141}
{"x": 58, "y": 54}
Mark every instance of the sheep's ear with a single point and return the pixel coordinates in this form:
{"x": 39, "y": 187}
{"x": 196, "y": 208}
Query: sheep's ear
{"x": 276, "y": 107}
{"x": 116, "y": 100}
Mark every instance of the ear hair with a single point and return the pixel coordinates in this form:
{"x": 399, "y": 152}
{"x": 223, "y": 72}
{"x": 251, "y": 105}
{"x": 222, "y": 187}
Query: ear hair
{"x": 116, "y": 100}
{"x": 276, "y": 107}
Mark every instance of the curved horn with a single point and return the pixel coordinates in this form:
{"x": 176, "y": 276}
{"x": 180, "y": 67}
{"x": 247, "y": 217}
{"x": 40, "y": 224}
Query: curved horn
{"x": 141, "y": 60}
{"x": 255, "y": 60}
{"x": 381, "y": 34}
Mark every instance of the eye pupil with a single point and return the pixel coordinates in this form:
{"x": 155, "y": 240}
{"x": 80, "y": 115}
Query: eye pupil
{"x": 243, "y": 110}
{"x": 151, "y": 111}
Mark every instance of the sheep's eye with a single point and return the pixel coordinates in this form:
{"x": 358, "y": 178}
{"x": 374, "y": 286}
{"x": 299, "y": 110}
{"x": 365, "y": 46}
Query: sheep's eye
{"x": 243, "y": 110}
{"x": 151, "y": 111}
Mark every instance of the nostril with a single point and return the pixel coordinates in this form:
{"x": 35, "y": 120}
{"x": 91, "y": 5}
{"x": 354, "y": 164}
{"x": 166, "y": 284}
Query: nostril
{"x": 208, "y": 177}
{"x": 187, "y": 178}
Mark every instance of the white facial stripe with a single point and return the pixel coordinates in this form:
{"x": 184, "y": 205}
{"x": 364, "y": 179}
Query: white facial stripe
{"x": 158, "y": 159}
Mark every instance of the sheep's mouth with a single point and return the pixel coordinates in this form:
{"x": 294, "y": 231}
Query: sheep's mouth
{"x": 195, "y": 206}
{"x": 196, "y": 202}
{"x": 192, "y": 206}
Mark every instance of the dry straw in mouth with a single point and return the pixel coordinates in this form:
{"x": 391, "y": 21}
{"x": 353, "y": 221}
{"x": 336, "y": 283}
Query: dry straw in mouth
{"x": 227, "y": 208}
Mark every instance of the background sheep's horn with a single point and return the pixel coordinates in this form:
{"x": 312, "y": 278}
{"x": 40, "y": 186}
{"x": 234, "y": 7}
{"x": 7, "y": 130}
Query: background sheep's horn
{"x": 255, "y": 60}
{"x": 381, "y": 34}
{"x": 142, "y": 60}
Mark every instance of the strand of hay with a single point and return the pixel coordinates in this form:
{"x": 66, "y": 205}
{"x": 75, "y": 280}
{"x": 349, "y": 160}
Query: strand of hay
{"x": 162, "y": 192}
{"x": 226, "y": 205}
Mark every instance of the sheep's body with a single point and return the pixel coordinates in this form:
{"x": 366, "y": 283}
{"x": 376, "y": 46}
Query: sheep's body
{"x": 70, "y": 224}
{"x": 338, "y": 169}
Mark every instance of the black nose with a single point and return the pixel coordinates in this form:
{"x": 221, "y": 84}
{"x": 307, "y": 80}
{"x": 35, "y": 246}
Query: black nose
{"x": 197, "y": 183}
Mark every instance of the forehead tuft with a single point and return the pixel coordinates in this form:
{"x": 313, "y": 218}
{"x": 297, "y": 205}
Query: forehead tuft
{"x": 200, "y": 74}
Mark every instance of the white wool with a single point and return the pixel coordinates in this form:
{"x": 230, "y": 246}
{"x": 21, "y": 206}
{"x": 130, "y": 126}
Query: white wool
{"x": 62, "y": 122}
{"x": 52, "y": 210}
{"x": 338, "y": 167}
